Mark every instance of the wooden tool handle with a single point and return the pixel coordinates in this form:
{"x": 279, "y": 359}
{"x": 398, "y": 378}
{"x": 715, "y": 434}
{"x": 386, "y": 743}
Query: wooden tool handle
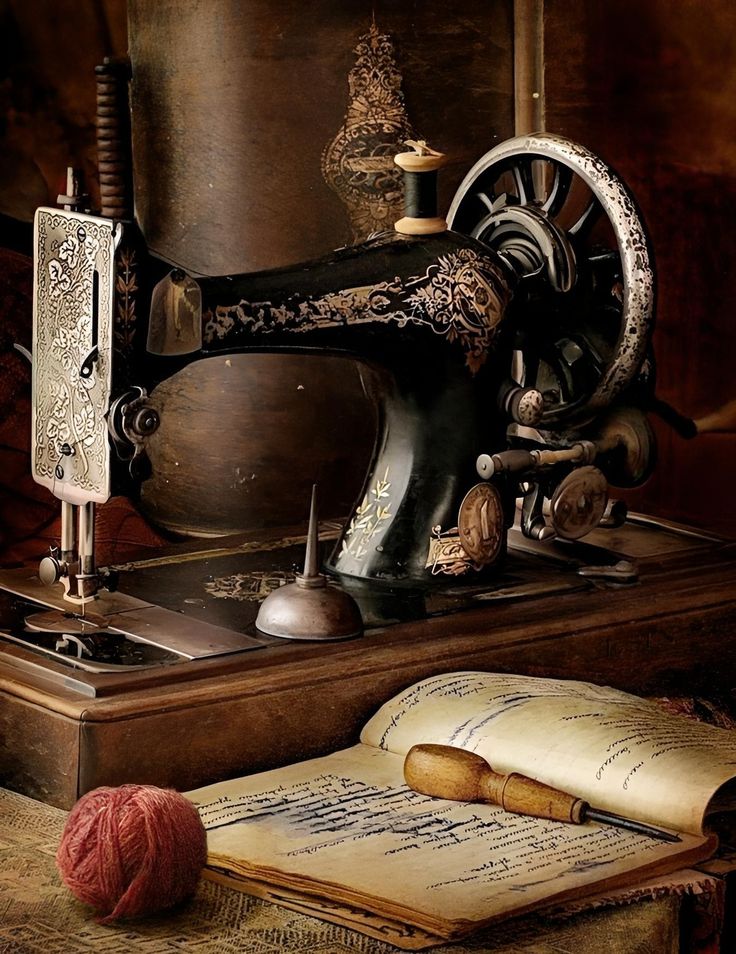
{"x": 525, "y": 796}
{"x": 722, "y": 420}
{"x": 447, "y": 772}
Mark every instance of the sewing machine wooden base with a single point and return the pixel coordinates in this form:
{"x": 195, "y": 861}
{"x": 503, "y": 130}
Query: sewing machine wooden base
{"x": 64, "y": 731}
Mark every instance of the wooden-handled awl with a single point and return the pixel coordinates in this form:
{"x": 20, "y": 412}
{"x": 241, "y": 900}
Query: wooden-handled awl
{"x": 444, "y": 771}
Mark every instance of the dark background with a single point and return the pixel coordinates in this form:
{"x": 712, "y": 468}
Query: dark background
{"x": 651, "y": 87}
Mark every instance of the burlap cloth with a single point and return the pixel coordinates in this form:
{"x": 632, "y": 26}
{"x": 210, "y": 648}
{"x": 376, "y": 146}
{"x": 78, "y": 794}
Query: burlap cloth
{"x": 38, "y": 915}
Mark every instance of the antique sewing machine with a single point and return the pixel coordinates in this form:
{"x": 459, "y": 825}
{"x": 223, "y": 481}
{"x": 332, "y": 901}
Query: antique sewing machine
{"x": 512, "y": 345}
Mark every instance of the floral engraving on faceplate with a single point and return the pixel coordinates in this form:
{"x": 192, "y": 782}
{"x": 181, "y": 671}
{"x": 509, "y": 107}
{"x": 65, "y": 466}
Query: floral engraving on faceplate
{"x": 71, "y": 381}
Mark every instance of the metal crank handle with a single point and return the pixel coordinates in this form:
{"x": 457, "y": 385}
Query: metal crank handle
{"x": 523, "y": 461}
{"x": 444, "y": 771}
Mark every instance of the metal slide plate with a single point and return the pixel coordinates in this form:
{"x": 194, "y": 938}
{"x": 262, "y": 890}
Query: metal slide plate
{"x": 136, "y": 619}
{"x": 74, "y": 275}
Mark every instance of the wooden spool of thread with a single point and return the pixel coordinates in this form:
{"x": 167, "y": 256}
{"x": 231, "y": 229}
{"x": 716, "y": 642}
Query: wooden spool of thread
{"x": 420, "y": 190}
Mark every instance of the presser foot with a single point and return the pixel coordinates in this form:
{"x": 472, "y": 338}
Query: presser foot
{"x": 81, "y": 589}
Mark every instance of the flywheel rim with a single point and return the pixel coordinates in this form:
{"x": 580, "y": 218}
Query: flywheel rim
{"x": 619, "y": 206}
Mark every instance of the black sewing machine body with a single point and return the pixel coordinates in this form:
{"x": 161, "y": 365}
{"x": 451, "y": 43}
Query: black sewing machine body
{"x": 515, "y": 350}
{"x": 428, "y": 331}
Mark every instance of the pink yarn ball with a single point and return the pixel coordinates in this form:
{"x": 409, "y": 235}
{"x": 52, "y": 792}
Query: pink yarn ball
{"x": 132, "y": 850}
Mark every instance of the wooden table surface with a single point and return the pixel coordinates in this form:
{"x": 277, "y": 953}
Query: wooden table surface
{"x": 672, "y": 632}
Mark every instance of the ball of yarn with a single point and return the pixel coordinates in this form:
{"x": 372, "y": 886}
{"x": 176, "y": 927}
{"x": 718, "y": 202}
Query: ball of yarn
{"x": 132, "y": 850}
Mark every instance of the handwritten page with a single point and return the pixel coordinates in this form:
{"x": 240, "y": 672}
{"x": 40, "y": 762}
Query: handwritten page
{"x": 346, "y": 826}
{"x": 618, "y": 752}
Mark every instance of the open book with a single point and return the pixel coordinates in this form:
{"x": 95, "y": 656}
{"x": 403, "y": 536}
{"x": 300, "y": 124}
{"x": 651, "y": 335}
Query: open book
{"x": 342, "y": 837}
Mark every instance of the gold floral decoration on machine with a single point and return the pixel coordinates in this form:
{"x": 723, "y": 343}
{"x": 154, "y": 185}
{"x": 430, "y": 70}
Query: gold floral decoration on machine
{"x": 461, "y": 296}
{"x": 369, "y": 519}
{"x": 358, "y": 163}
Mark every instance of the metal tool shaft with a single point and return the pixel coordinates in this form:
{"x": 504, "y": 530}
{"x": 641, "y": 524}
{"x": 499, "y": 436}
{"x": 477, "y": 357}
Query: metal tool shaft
{"x": 609, "y": 818}
{"x": 444, "y": 771}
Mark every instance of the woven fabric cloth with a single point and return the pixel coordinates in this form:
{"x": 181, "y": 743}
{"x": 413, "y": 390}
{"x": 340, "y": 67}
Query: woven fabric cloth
{"x": 38, "y": 915}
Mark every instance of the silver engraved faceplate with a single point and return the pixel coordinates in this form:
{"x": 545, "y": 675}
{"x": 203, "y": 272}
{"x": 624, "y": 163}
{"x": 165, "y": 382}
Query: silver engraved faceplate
{"x": 74, "y": 274}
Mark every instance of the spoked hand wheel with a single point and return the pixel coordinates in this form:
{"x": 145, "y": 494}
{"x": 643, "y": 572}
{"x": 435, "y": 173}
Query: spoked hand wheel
{"x": 582, "y": 316}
